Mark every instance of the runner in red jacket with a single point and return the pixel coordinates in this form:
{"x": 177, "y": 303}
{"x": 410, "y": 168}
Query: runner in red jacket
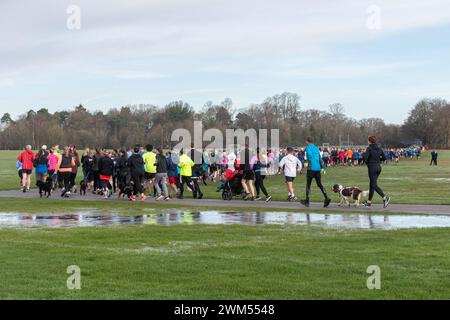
{"x": 27, "y": 160}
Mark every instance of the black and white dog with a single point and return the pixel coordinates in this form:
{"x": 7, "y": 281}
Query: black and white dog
{"x": 45, "y": 187}
{"x": 348, "y": 193}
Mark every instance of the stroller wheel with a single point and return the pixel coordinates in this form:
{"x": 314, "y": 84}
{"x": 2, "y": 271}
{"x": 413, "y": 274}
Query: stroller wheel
{"x": 225, "y": 195}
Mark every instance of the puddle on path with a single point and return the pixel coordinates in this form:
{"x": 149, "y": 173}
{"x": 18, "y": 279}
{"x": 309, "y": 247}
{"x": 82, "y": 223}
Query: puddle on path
{"x": 174, "y": 217}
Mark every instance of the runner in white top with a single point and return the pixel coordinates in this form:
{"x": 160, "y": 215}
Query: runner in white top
{"x": 290, "y": 165}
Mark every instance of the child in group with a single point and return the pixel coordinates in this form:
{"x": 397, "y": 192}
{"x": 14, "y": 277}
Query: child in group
{"x": 227, "y": 176}
{"x": 290, "y": 165}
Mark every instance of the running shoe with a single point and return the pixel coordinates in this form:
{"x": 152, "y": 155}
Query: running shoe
{"x": 386, "y": 201}
{"x": 268, "y": 198}
{"x": 200, "y": 196}
{"x": 167, "y": 198}
{"x": 142, "y": 197}
{"x": 133, "y": 198}
{"x": 367, "y": 204}
{"x": 258, "y": 198}
{"x": 326, "y": 202}
{"x": 161, "y": 197}
{"x": 305, "y": 203}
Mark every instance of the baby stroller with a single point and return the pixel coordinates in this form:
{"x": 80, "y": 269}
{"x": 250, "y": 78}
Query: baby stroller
{"x": 233, "y": 188}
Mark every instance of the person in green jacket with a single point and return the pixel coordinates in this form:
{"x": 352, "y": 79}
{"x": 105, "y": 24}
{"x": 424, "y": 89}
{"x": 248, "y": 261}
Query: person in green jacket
{"x": 185, "y": 164}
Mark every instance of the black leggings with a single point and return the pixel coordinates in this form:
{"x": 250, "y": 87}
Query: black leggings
{"x": 73, "y": 177}
{"x": 374, "y": 173}
{"x": 309, "y": 178}
{"x": 259, "y": 184}
{"x": 65, "y": 178}
{"x": 96, "y": 176}
{"x": 189, "y": 182}
{"x": 137, "y": 179}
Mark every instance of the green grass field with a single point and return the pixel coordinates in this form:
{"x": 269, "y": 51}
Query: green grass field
{"x": 231, "y": 261}
{"x": 217, "y": 262}
{"x": 411, "y": 182}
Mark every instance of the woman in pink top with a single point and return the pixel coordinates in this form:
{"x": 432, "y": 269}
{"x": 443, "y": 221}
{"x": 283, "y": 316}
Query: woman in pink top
{"x": 52, "y": 163}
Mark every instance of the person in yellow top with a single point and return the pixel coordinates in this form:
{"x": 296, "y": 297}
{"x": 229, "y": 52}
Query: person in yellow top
{"x": 150, "y": 169}
{"x": 185, "y": 164}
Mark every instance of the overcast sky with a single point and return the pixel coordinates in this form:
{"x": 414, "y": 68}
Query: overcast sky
{"x": 377, "y": 58}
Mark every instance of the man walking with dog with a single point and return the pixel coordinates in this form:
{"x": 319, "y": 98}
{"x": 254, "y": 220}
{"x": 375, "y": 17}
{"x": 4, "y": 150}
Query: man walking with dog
{"x": 315, "y": 166}
{"x": 373, "y": 157}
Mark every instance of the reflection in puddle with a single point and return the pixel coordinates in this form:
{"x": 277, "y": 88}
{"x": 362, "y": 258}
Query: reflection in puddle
{"x": 172, "y": 217}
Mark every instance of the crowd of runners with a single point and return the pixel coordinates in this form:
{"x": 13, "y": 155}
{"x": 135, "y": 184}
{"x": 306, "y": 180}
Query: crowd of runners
{"x": 355, "y": 156}
{"x": 145, "y": 171}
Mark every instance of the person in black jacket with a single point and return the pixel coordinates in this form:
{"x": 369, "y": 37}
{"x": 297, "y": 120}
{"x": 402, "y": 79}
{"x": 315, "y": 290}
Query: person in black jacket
{"x": 434, "y": 158}
{"x": 197, "y": 171}
{"x": 136, "y": 165}
{"x": 373, "y": 157}
{"x": 106, "y": 171}
{"x": 94, "y": 169}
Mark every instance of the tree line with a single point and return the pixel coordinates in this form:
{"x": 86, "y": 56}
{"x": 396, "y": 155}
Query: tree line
{"x": 428, "y": 122}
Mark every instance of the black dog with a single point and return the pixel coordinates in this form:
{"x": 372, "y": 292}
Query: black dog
{"x": 45, "y": 187}
{"x": 83, "y": 187}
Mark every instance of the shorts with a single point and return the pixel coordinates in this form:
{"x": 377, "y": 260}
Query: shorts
{"x": 105, "y": 178}
{"x": 149, "y": 176}
{"x": 248, "y": 175}
{"x": 173, "y": 180}
{"x": 27, "y": 171}
{"x": 290, "y": 179}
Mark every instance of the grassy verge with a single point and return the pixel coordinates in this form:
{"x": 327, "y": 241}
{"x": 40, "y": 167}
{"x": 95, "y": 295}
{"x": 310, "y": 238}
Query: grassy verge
{"x": 217, "y": 262}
